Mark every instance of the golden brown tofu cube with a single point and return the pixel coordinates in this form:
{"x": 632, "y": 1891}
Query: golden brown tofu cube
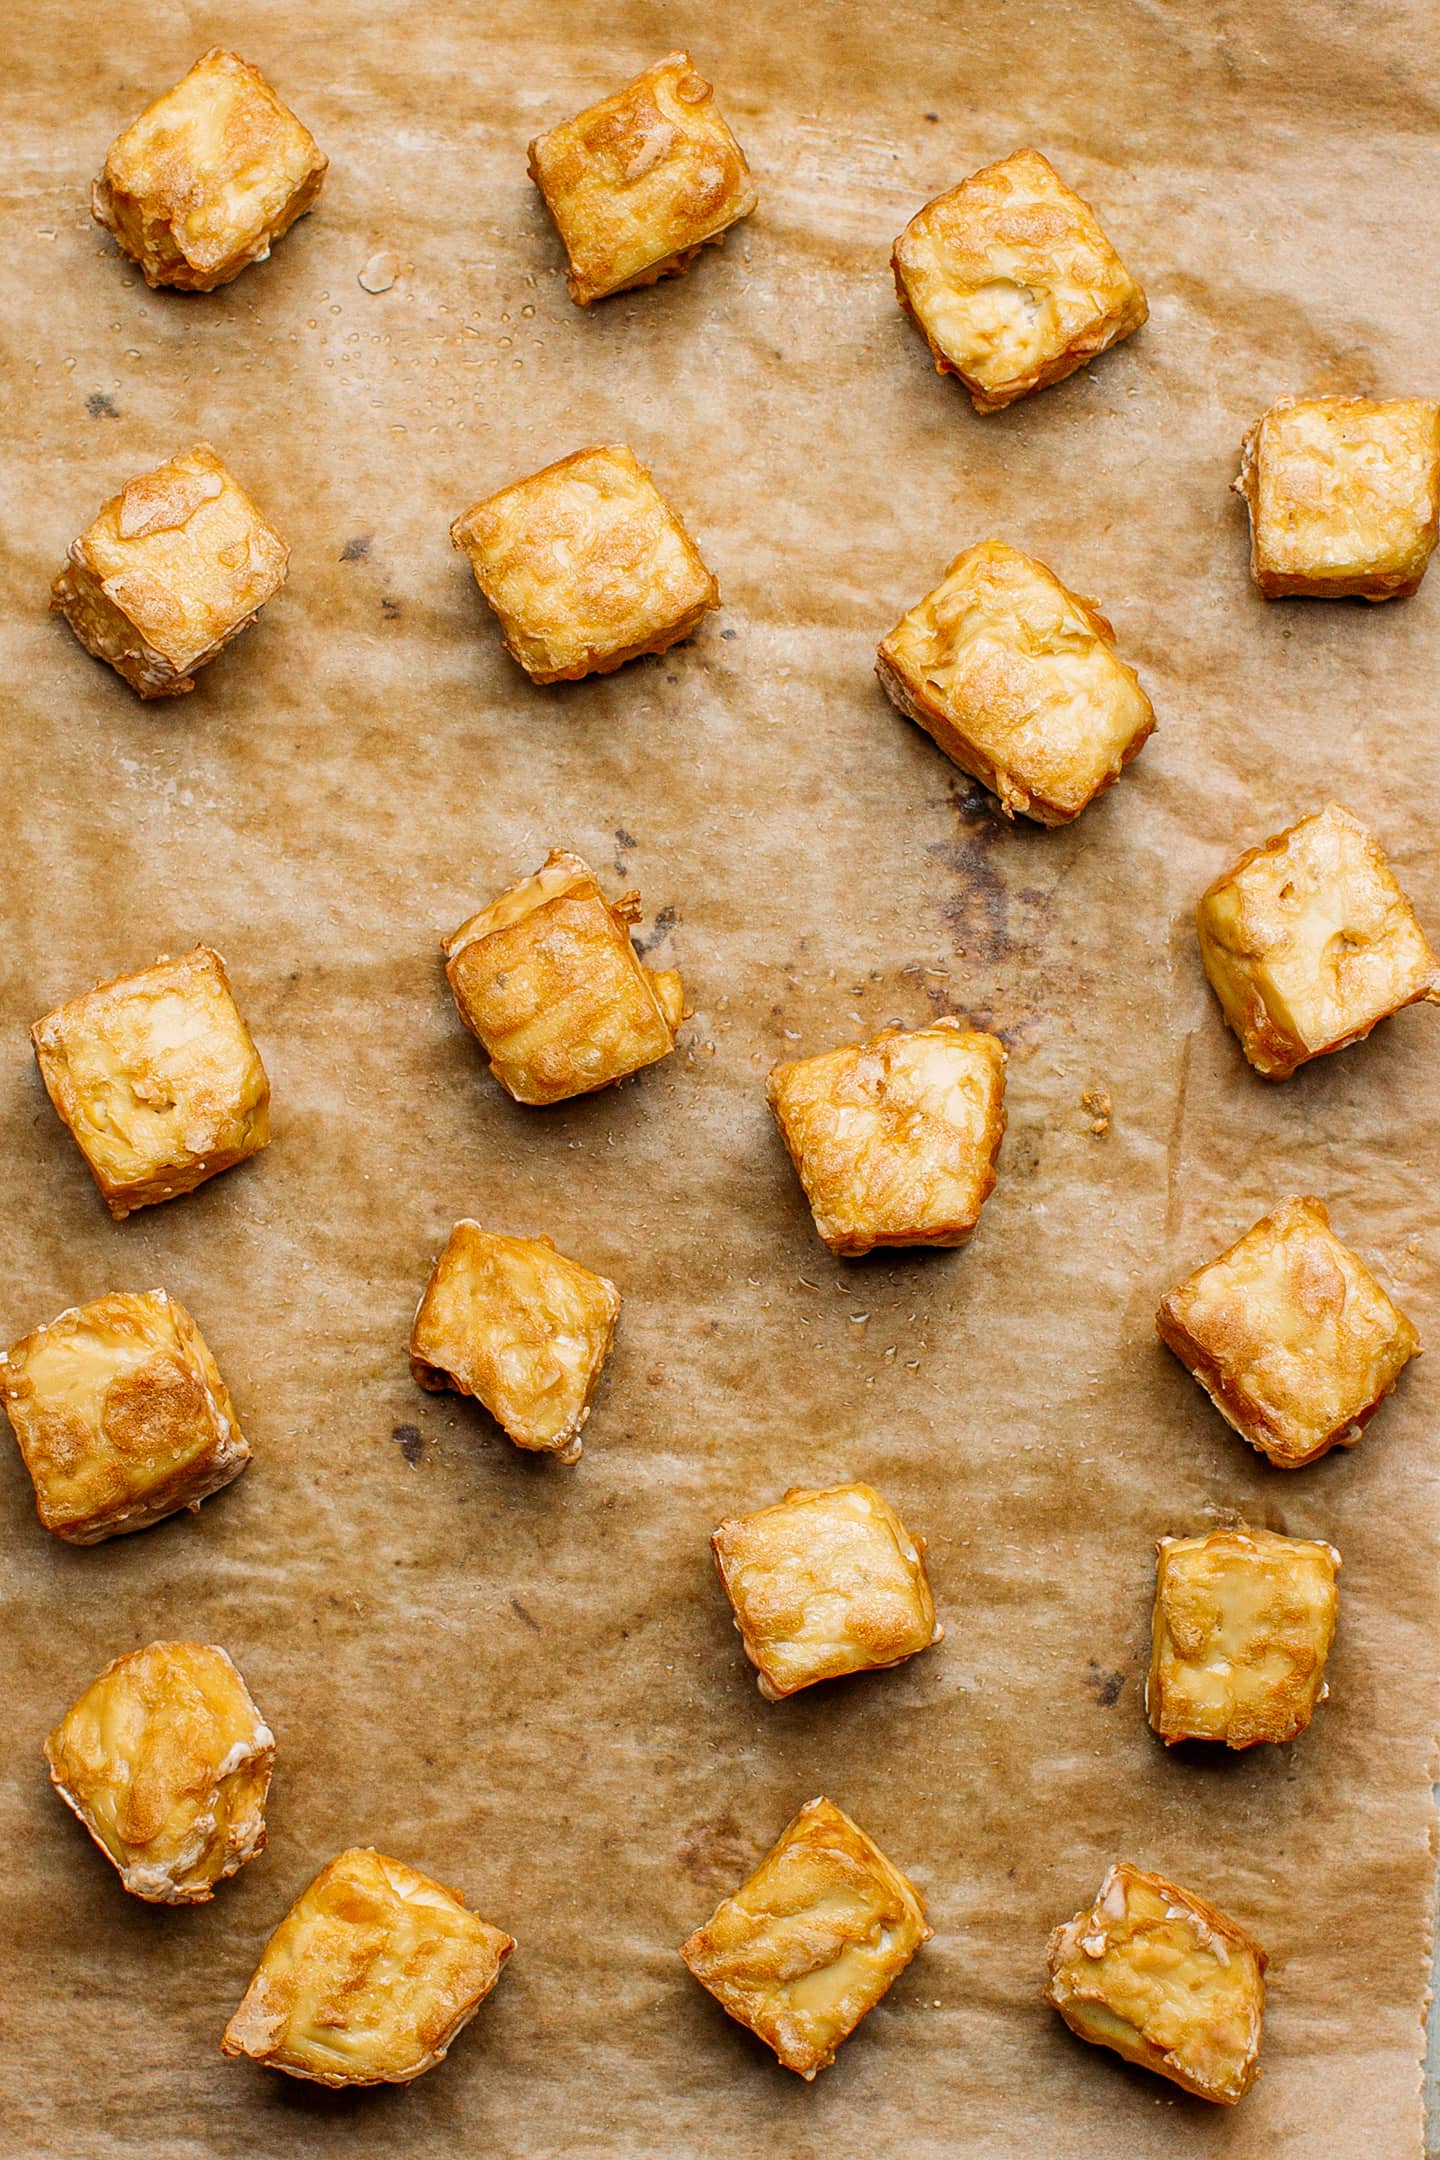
{"x": 639, "y": 183}
{"x": 548, "y": 982}
{"x": 1018, "y": 681}
{"x": 209, "y": 176}
{"x": 1308, "y": 941}
{"x": 157, "y": 1078}
{"x": 368, "y": 1978}
{"x": 825, "y": 1583}
{"x": 174, "y": 566}
{"x": 524, "y": 1330}
{"x": 1344, "y": 496}
{"x": 1012, "y": 282}
{"x": 121, "y": 1416}
{"x": 1244, "y": 1620}
{"x": 167, "y": 1761}
{"x": 1167, "y": 1980}
{"x": 812, "y": 1941}
{"x": 895, "y": 1139}
{"x": 1290, "y": 1335}
{"x": 586, "y": 565}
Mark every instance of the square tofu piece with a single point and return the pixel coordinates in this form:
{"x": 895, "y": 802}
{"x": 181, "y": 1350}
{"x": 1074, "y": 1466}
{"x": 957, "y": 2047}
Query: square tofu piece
{"x": 368, "y": 1978}
{"x": 1308, "y": 941}
{"x": 812, "y": 1941}
{"x": 548, "y": 982}
{"x": 157, "y": 1078}
{"x": 1012, "y": 282}
{"x": 121, "y": 1416}
{"x": 174, "y": 566}
{"x": 1243, "y": 1624}
{"x": 208, "y": 177}
{"x": 586, "y": 565}
{"x": 1019, "y": 682}
{"x": 639, "y": 183}
{"x": 1290, "y": 1336}
{"x": 1167, "y": 1980}
{"x": 514, "y": 1323}
{"x": 825, "y": 1583}
{"x": 1344, "y": 496}
{"x": 166, "y": 1761}
{"x": 895, "y": 1139}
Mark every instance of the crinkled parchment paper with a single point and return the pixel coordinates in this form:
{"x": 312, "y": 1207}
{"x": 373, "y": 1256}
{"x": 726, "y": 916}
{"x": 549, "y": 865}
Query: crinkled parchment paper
{"x": 521, "y": 1677}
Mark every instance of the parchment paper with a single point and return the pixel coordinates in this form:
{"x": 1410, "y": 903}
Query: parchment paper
{"x": 520, "y": 1677}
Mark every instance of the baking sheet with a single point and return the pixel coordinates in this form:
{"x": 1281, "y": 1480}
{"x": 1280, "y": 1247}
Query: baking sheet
{"x": 520, "y": 1677}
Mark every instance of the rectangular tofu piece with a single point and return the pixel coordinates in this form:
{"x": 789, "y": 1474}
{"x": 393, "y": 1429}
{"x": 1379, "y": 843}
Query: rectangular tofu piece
{"x": 166, "y": 1761}
{"x": 173, "y": 568}
{"x": 807, "y": 1947}
{"x": 1012, "y": 282}
{"x": 368, "y": 1978}
{"x": 586, "y": 565}
{"x": 121, "y": 1416}
{"x": 1308, "y": 942}
{"x": 1343, "y": 495}
{"x": 209, "y": 177}
{"x": 157, "y": 1078}
{"x": 1019, "y": 682}
{"x": 824, "y": 1583}
{"x": 524, "y": 1330}
{"x": 1290, "y": 1334}
{"x": 1167, "y": 1980}
{"x": 1243, "y": 1624}
{"x": 895, "y": 1140}
{"x": 640, "y": 182}
{"x": 548, "y": 982}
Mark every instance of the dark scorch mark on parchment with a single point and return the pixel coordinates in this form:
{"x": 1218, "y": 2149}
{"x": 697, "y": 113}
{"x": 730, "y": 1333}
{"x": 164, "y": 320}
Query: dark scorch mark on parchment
{"x": 411, "y": 1442}
{"x": 1105, "y": 1687}
{"x": 663, "y": 924}
{"x": 978, "y": 910}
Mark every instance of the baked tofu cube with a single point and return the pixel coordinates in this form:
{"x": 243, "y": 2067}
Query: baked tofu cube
{"x": 895, "y": 1139}
{"x": 1018, "y": 680}
{"x": 812, "y": 1941}
{"x": 1167, "y": 1980}
{"x": 175, "y": 566}
{"x": 586, "y": 565}
{"x": 825, "y": 1583}
{"x": 639, "y": 183}
{"x": 548, "y": 982}
{"x": 514, "y": 1323}
{"x": 368, "y": 1978}
{"x": 1344, "y": 496}
{"x": 1308, "y": 941}
{"x": 1243, "y": 1624}
{"x": 157, "y": 1078}
{"x": 1290, "y": 1336}
{"x": 1012, "y": 282}
{"x": 121, "y": 1416}
{"x": 208, "y": 177}
{"x": 167, "y": 1761}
